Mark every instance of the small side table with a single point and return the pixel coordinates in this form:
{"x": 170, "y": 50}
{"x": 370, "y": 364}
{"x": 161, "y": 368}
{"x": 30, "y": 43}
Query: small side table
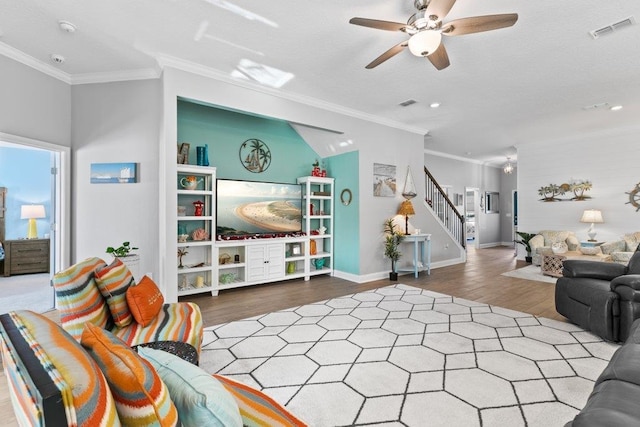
{"x": 552, "y": 265}
{"x": 25, "y": 256}
{"x": 422, "y": 245}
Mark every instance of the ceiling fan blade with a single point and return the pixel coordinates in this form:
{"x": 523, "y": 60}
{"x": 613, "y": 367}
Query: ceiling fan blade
{"x": 378, "y": 25}
{"x": 440, "y": 8}
{"x": 439, "y": 57}
{"x": 477, "y": 24}
{"x": 387, "y": 55}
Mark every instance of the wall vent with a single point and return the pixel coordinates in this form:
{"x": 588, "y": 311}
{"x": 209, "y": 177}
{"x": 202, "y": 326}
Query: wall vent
{"x": 408, "y": 102}
{"x": 596, "y": 106}
{"x": 599, "y": 32}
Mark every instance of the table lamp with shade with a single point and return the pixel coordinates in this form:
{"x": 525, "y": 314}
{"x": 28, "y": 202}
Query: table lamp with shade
{"x": 32, "y": 212}
{"x": 593, "y": 216}
{"x": 406, "y": 210}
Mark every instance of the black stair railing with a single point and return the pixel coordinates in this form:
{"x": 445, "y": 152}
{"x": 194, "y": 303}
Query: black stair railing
{"x": 444, "y": 208}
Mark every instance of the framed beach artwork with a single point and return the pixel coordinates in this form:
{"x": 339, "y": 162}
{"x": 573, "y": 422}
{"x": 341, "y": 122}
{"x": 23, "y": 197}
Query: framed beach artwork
{"x": 384, "y": 180}
{"x": 114, "y": 173}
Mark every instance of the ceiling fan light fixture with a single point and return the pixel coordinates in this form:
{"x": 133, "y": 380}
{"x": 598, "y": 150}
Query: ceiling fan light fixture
{"x": 425, "y": 42}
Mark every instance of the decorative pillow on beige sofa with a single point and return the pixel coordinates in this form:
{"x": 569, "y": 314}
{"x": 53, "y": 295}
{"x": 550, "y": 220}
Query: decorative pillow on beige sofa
{"x": 632, "y": 241}
{"x": 595, "y": 250}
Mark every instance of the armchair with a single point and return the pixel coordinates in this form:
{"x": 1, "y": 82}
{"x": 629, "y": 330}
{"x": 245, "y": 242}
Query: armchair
{"x": 541, "y": 243}
{"x": 601, "y": 297}
{"x": 622, "y": 250}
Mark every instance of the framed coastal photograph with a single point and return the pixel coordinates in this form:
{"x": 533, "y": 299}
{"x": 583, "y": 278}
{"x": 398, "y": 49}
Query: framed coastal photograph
{"x": 114, "y": 173}
{"x": 248, "y": 208}
{"x": 384, "y": 180}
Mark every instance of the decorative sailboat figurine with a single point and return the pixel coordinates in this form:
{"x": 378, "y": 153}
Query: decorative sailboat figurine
{"x": 409, "y": 189}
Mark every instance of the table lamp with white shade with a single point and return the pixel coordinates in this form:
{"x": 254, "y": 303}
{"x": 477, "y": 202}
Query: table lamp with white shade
{"x": 32, "y": 212}
{"x": 593, "y": 216}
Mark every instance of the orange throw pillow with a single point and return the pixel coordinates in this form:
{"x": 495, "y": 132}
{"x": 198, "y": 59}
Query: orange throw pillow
{"x": 145, "y": 301}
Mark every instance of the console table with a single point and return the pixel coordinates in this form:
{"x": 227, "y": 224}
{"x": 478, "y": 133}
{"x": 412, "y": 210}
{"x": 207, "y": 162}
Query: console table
{"x": 422, "y": 246}
{"x": 26, "y": 256}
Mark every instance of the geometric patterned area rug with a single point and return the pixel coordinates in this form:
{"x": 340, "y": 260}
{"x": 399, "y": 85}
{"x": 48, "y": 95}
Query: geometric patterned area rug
{"x": 530, "y": 272}
{"x": 403, "y": 356}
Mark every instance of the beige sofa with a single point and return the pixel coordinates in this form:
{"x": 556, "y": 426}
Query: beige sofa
{"x": 621, "y": 250}
{"x": 541, "y": 243}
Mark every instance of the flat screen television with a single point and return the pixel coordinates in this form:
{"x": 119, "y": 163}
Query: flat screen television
{"x": 253, "y": 208}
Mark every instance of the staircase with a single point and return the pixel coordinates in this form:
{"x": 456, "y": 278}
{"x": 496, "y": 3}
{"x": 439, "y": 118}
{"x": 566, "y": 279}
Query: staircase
{"x": 444, "y": 209}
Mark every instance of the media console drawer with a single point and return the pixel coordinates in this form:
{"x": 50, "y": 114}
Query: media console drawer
{"x": 26, "y": 256}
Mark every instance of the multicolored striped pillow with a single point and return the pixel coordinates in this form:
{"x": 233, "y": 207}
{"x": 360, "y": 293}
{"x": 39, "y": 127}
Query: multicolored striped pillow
{"x": 113, "y": 282}
{"x": 79, "y": 300}
{"x": 256, "y": 408}
{"x": 142, "y": 399}
{"x": 201, "y": 400}
{"x": 62, "y": 384}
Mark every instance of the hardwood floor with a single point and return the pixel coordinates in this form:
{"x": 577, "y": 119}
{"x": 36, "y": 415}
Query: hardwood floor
{"x": 478, "y": 280}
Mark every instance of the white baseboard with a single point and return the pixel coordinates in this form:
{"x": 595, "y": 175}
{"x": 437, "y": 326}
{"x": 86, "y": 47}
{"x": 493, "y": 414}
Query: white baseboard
{"x": 489, "y": 245}
{"x": 385, "y": 274}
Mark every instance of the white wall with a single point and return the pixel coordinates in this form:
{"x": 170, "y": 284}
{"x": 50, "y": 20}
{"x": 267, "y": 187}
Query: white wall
{"x": 34, "y": 105}
{"x": 116, "y": 122}
{"x": 609, "y": 161}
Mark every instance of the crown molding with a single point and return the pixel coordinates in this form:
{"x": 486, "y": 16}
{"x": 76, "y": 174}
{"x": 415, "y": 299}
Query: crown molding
{"x": 77, "y": 79}
{"x": 30, "y": 61}
{"x": 116, "y": 76}
{"x": 194, "y": 68}
{"x": 191, "y": 67}
{"x": 454, "y": 157}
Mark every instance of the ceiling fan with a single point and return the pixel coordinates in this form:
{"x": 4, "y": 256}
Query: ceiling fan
{"x": 426, "y": 29}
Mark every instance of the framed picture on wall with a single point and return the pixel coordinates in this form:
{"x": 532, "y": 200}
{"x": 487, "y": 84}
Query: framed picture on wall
{"x": 384, "y": 180}
{"x": 114, "y": 173}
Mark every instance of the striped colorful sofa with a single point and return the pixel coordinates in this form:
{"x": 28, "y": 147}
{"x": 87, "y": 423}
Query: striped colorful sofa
{"x": 79, "y": 301}
{"x": 54, "y": 381}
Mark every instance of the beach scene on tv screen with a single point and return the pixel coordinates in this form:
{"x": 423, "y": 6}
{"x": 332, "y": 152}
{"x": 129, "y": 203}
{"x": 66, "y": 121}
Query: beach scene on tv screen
{"x": 246, "y": 207}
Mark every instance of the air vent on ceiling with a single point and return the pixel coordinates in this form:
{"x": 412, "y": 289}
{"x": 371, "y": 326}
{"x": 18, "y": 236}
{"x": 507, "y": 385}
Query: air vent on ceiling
{"x": 596, "y": 106}
{"x": 599, "y": 32}
{"x": 407, "y": 102}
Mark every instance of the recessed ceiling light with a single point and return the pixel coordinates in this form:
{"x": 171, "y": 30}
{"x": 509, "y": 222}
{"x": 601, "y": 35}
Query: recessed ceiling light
{"x": 616, "y": 108}
{"x": 67, "y": 26}
{"x": 434, "y": 105}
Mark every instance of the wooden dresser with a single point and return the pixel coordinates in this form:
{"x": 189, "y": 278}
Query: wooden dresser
{"x": 26, "y": 256}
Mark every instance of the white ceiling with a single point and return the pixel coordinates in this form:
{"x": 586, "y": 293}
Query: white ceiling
{"x": 513, "y": 86}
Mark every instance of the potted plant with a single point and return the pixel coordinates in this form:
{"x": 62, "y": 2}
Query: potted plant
{"x": 391, "y": 243}
{"x": 121, "y": 251}
{"x": 525, "y": 238}
{"x": 124, "y": 253}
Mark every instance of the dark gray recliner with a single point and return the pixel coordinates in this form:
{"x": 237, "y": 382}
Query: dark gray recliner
{"x": 601, "y": 297}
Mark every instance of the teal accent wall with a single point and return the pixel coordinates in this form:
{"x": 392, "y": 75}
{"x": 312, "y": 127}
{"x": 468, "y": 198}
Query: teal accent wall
{"x": 224, "y": 131}
{"x": 291, "y": 157}
{"x": 345, "y": 169}
{"x": 26, "y": 173}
